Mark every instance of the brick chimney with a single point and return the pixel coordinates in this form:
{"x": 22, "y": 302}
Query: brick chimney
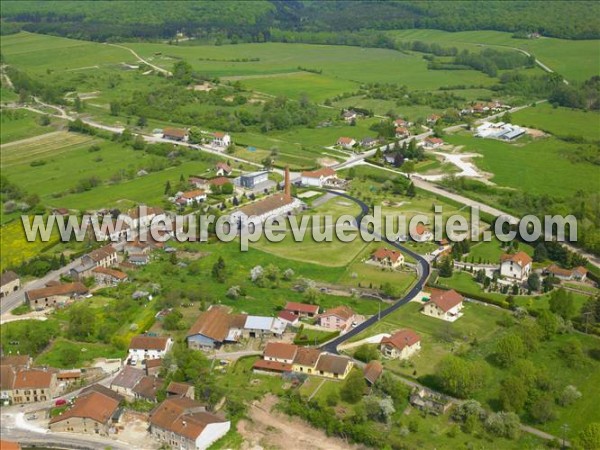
{"x": 287, "y": 189}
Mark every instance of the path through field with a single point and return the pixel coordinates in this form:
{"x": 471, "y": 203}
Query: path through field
{"x": 157, "y": 68}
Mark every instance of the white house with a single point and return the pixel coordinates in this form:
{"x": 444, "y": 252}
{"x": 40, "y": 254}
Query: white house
{"x": 445, "y": 305}
{"x": 318, "y": 177}
{"x": 349, "y": 115}
{"x": 280, "y": 352}
{"x": 401, "y": 345}
{"x": 221, "y": 139}
{"x": 387, "y": 258}
{"x": 421, "y": 234}
{"x": 516, "y": 266}
{"x": 346, "y": 142}
{"x": 149, "y": 347}
{"x": 189, "y": 197}
{"x": 402, "y": 133}
{"x": 222, "y": 169}
{"x": 432, "y": 142}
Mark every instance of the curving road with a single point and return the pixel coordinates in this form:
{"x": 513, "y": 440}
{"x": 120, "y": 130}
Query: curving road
{"x": 423, "y": 272}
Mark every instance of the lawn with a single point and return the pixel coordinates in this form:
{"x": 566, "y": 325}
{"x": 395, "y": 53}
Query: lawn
{"x": 15, "y": 248}
{"x": 491, "y": 251}
{"x": 86, "y": 352}
{"x": 526, "y": 164}
{"x": 21, "y": 124}
{"x": 560, "y": 121}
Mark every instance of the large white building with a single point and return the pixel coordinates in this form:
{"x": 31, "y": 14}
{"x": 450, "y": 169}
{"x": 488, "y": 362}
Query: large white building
{"x": 516, "y": 266}
{"x": 499, "y": 130}
{"x": 318, "y": 178}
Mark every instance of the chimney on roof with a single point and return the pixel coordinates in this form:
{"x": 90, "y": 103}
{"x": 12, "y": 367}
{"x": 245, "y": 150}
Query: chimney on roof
{"x": 287, "y": 187}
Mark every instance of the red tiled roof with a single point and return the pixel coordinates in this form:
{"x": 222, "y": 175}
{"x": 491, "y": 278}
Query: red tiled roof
{"x": 345, "y": 140}
{"x": 33, "y": 379}
{"x": 102, "y": 253}
{"x": 111, "y": 272}
{"x": 193, "y": 194}
{"x": 520, "y": 258}
{"x": 323, "y": 172}
{"x": 555, "y": 270}
{"x": 288, "y": 316}
{"x": 383, "y": 253}
{"x": 275, "y": 366}
{"x": 219, "y": 134}
{"x": 307, "y": 356}
{"x": 280, "y": 350}
{"x": 177, "y": 388}
{"x": 333, "y": 363}
{"x": 402, "y": 338}
{"x": 219, "y": 181}
{"x": 174, "y": 132}
{"x": 580, "y": 270}
{"x": 9, "y": 445}
{"x": 94, "y": 405}
{"x": 266, "y": 205}
{"x": 445, "y": 300}
{"x": 373, "y": 371}
{"x": 224, "y": 166}
{"x": 434, "y": 140}
{"x": 214, "y": 324}
{"x": 301, "y": 307}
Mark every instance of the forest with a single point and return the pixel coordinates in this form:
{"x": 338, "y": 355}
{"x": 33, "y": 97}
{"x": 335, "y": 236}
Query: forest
{"x": 259, "y": 21}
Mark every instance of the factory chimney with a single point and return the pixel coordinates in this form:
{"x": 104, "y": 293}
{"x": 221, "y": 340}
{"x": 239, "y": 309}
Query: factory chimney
{"x": 288, "y": 187}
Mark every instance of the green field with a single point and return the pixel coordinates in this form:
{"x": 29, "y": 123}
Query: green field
{"x": 576, "y": 60}
{"x": 22, "y": 124}
{"x": 527, "y": 164}
{"x": 560, "y": 121}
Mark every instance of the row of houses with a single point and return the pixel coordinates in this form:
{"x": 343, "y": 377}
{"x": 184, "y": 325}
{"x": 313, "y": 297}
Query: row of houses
{"x": 280, "y": 358}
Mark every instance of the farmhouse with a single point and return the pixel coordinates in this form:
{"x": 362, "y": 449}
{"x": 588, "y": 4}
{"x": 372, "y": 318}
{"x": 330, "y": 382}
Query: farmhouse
{"x": 175, "y": 134}
{"x": 9, "y": 282}
{"x": 346, "y": 142}
{"x": 103, "y": 275}
{"x": 184, "y": 424}
{"x": 189, "y": 197}
{"x": 146, "y": 347}
{"x": 306, "y": 360}
{"x": 280, "y": 352}
{"x": 302, "y": 309}
{"x": 333, "y": 366}
{"x": 578, "y": 273}
{"x": 101, "y": 257}
{"x": 387, "y": 258}
{"x": 402, "y": 133}
{"x": 260, "y": 327}
{"x": 250, "y": 180}
{"x": 215, "y": 327}
{"x": 54, "y": 295}
{"x": 288, "y": 318}
{"x": 400, "y": 345}
{"x": 432, "y": 142}
{"x": 126, "y": 380}
{"x": 401, "y": 123}
{"x": 349, "y": 115}
{"x": 338, "y": 318}
{"x": 319, "y": 177}
{"x": 368, "y": 142}
{"x": 223, "y": 169}
{"x": 445, "y": 305}
{"x": 516, "y": 266}
{"x": 34, "y": 385}
{"x": 221, "y": 139}
{"x": 93, "y": 412}
{"x": 276, "y": 205}
{"x": 421, "y": 233}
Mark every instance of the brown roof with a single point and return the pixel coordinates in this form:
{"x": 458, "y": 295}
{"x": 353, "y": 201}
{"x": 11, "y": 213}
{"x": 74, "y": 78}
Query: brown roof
{"x": 151, "y": 363}
{"x": 287, "y": 316}
{"x": 147, "y": 387}
{"x": 400, "y": 122}
{"x": 402, "y": 338}
{"x": 445, "y": 300}
{"x": 343, "y": 312}
{"x": 193, "y": 194}
{"x": 373, "y": 371}
{"x": 176, "y": 415}
{"x": 555, "y": 270}
{"x": 33, "y": 379}
{"x": 301, "y": 307}
{"x": 280, "y": 350}
{"x": 323, "y": 172}
{"x": 174, "y": 132}
{"x": 521, "y": 258}
{"x": 332, "y": 364}
{"x": 68, "y": 375}
{"x": 383, "y": 253}
{"x": 102, "y": 390}
{"x": 144, "y": 342}
{"x": 266, "y": 205}
{"x": 102, "y": 253}
{"x": 7, "y": 378}
{"x": 345, "y": 140}
{"x": 128, "y": 377}
{"x": 177, "y": 388}
{"x": 66, "y": 289}
{"x": 8, "y": 277}
{"x": 219, "y": 134}
{"x": 93, "y": 405}
{"x": 435, "y": 140}
{"x": 15, "y": 360}
{"x": 580, "y": 270}
{"x": 111, "y": 272}
{"x": 401, "y": 130}
{"x": 307, "y": 356}
{"x": 213, "y": 324}
{"x": 224, "y": 166}
{"x": 219, "y": 181}
{"x": 275, "y": 366}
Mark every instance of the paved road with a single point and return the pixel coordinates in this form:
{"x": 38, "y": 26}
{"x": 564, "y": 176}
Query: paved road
{"x": 423, "y": 272}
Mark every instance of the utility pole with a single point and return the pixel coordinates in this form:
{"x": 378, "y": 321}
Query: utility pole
{"x": 587, "y": 320}
{"x": 565, "y": 428}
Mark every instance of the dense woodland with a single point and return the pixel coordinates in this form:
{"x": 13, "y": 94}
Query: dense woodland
{"x": 258, "y": 21}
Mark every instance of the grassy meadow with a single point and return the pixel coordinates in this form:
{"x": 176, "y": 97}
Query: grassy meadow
{"x": 560, "y": 121}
